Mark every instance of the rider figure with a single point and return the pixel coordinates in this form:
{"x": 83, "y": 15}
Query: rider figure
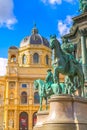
{"x": 49, "y": 79}
{"x": 68, "y": 48}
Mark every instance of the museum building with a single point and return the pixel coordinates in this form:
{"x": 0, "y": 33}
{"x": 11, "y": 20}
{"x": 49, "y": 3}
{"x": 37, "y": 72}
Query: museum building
{"x": 19, "y": 102}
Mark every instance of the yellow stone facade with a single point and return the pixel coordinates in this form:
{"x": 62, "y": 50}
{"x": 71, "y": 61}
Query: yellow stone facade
{"x": 16, "y": 87}
{"x": 22, "y": 72}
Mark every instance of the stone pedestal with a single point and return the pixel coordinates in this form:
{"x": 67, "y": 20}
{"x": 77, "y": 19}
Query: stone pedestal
{"x": 66, "y": 113}
{"x": 41, "y": 117}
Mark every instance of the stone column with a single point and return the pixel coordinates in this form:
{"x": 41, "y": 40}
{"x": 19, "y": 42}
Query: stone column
{"x": 16, "y": 93}
{"x": 7, "y": 89}
{"x": 6, "y": 118}
{"x": 15, "y": 119}
{"x": 6, "y": 106}
{"x": 30, "y": 89}
{"x": 83, "y": 34}
{"x": 30, "y": 120}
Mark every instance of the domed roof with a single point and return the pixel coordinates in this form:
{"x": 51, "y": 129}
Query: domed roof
{"x": 34, "y": 38}
{"x": 13, "y": 47}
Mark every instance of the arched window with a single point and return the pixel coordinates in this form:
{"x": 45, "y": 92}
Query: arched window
{"x": 24, "y": 59}
{"x": 23, "y": 97}
{"x": 47, "y": 60}
{"x": 35, "y": 58}
{"x": 13, "y": 58}
{"x": 34, "y": 118}
{"x": 36, "y": 98}
{"x": 23, "y": 121}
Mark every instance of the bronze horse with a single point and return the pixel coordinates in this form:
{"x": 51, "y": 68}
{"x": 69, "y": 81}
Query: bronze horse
{"x": 62, "y": 65}
{"x": 43, "y": 92}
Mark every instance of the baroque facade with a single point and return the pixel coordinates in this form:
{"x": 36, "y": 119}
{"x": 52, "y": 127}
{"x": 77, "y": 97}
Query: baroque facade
{"x": 19, "y": 102}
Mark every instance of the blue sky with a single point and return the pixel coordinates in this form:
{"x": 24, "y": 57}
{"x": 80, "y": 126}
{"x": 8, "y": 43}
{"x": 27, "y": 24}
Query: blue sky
{"x": 17, "y": 18}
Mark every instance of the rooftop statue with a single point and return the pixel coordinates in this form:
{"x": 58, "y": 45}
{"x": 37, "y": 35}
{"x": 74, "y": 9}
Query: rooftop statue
{"x": 83, "y": 5}
{"x": 65, "y": 63}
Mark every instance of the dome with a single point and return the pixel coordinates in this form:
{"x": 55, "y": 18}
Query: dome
{"x": 13, "y": 47}
{"x": 34, "y": 38}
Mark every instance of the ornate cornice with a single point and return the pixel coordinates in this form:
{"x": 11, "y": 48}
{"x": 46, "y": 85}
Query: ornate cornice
{"x": 83, "y": 32}
{"x": 80, "y": 18}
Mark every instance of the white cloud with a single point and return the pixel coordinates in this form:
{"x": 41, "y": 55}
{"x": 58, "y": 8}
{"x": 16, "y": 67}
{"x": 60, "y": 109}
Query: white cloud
{"x": 7, "y": 18}
{"x": 56, "y": 1}
{"x": 52, "y": 1}
{"x": 68, "y": 19}
{"x": 64, "y": 26}
{"x": 70, "y": 1}
{"x": 3, "y": 63}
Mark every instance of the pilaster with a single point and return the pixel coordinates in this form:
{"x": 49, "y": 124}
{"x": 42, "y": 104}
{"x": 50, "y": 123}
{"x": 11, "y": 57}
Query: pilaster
{"x": 15, "y": 120}
{"x": 16, "y": 93}
{"x": 30, "y": 120}
{"x": 83, "y": 34}
{"x": 6, "y": 118}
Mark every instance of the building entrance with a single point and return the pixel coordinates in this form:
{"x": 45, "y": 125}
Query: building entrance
{"x": 23, "y": 121}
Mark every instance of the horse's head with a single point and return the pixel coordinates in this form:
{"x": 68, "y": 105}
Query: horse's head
{"x": 53, "y": 41}
{"x": 35, "y": 84}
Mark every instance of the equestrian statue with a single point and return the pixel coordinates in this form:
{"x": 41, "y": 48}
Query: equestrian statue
{"x": 66, "y": 64}
{"x": 47, "y": 88}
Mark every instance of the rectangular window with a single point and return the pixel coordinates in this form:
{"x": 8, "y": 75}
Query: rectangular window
{"x": 24, "y": 85}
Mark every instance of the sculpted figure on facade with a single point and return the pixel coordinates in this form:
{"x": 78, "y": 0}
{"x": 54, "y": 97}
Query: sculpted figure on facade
{"x": 11, "y": 123}
{"x": 83, "y": 5}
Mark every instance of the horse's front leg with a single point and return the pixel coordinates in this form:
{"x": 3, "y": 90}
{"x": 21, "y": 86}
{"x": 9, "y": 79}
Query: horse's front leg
{"x": 56, "y": 75}
{"x": 40, "y": 103}
{"x": 69, "y": 90}
{"x": 46, "y": 104}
